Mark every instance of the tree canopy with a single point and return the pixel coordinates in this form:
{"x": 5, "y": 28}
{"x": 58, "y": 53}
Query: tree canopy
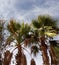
{"x": 35, "y": 36}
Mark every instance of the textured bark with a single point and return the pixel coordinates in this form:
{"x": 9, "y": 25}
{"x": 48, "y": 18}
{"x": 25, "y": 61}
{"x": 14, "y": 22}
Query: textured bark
{"x": 19, "y": 55}
{"x": 7, "y": 58}
{"x": 23, "y": 60}
{"x": 44, "y": 51}
{"x": 32, "y": 62}
{"x": 53, "y": 56}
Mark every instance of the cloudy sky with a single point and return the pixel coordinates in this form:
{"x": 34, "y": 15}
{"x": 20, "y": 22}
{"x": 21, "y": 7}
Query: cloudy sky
{"x": 28, "y": 9}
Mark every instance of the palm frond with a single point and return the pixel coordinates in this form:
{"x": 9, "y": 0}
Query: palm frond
{"x": 13, "y": 26}
{"x": 7, "y": 58}
{"x": 23, "y": 60}
{"x": 50, "y": 34}
{"x": 25, "y": 29}
{"x": 34, "y": 50}
{"x": 32, "y": 62}
{"x": 27, "y": 42}
{"x": 47, "y": 20}
{"x": 36, "y": 24}
{"x": 9, "y": 40}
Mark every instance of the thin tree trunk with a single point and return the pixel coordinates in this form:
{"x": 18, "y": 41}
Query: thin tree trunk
{"x": 53, "y": 56}
{"x": 44, "y": 51}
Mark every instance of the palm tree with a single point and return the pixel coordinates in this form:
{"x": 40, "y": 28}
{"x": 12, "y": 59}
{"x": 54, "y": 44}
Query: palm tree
{"x": 47, "y": 28}
{"x": 34, "y": 37}
{"x": 18, "y": 32}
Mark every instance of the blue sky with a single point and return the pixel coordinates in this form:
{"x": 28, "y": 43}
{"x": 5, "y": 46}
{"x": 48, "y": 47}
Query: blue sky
{"x": 28, "y": 9}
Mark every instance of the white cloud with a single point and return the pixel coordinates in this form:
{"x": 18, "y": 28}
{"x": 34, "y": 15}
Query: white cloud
{"x": 9, "y": 9}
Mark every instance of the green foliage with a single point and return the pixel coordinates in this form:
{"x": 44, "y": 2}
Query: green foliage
{"x": 36, "y": 24}
{"x": 25, "y": 28}
{"x": 19, "y": 31}
{"x": 9, "y": 40}
{"x": 13, "y": 26}
{"x": 46, "y": 25}
{"x": 46, "y": 21}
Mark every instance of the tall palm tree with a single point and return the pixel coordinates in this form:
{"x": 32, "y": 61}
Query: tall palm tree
{"x": 18, "y": 32}
{"x": 33, "y": 36}
{"x": 47, "y": 28}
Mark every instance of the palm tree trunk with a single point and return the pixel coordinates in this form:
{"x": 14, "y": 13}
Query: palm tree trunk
{"x": 44, "y": 51}
{"x": 19, "y": 55}
{"x": 53, "y": 56}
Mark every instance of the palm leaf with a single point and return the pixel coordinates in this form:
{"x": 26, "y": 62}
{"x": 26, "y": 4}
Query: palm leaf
{"x": 50, "y": 34}
{"x": 9, "y": 40}
{"x": 47, "y": 20}
{"x": 36, "y": 24}
{"x": 13, "y": 26}
{"x": 34, "y": 50}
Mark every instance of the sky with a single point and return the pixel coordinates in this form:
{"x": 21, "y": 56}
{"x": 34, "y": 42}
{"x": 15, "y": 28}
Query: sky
{"x": 26, "y": 10}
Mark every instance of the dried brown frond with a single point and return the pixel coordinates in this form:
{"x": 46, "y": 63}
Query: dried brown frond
{"x": 33, "y": 62}
{"x": 7, "y": 58}
{"x": 34, "y": 49}
{"x": 26, "y": 42}
{"x": 23, "y": 60}
{"x": 53, "y": 56}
